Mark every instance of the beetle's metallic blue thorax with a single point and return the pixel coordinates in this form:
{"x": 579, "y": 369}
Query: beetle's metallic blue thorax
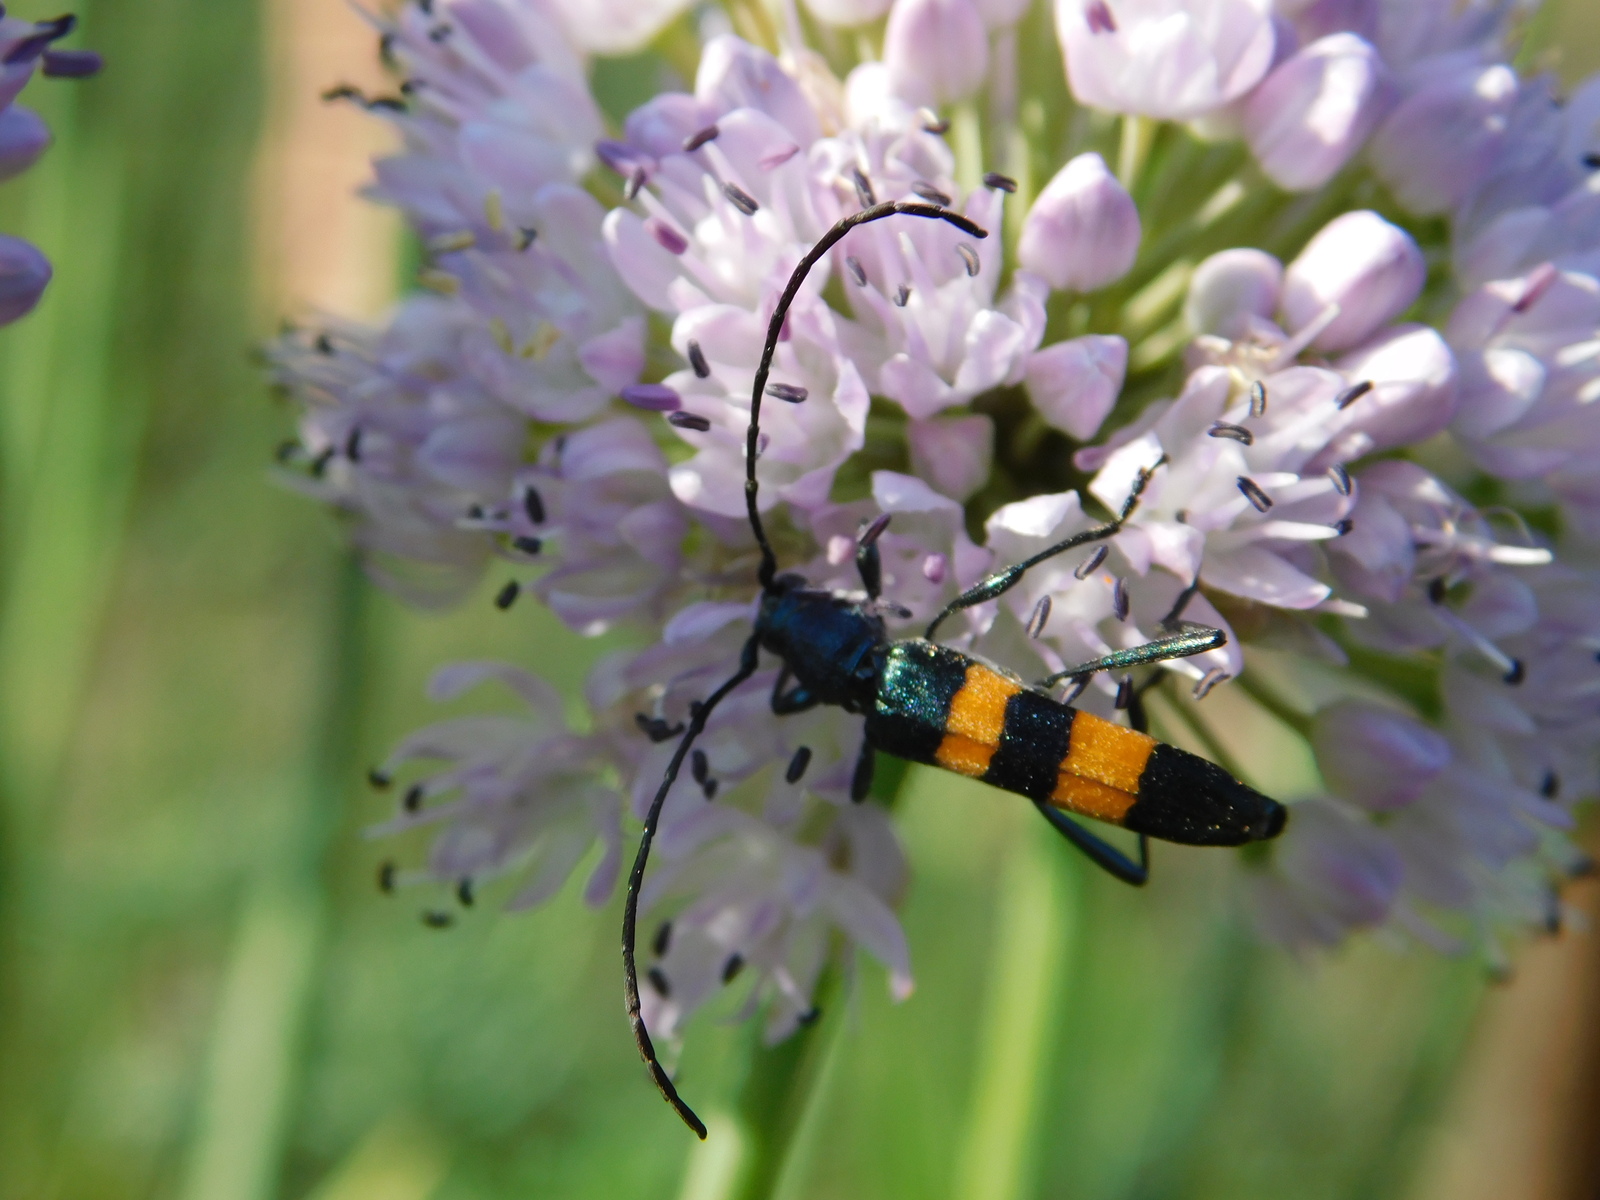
{"x": 826, "y": 639}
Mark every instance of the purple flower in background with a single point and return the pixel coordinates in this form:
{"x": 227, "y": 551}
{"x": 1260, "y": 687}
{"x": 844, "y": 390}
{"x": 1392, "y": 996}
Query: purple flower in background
{"x": 565, "y": 404}
{"x": 27, "y": 46}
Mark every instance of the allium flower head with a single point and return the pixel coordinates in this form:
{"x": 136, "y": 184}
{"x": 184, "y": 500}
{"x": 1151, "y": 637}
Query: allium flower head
{"x": 1286, "y": 325}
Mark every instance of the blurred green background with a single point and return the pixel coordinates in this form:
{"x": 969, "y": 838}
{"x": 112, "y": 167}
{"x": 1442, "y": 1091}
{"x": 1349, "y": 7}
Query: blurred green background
{"x": 202, "y": 994}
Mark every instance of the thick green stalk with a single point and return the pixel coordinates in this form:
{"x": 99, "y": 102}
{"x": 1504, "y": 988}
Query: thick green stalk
{"x": 779, "y": 1091}
{"x": 1035, "y": 927}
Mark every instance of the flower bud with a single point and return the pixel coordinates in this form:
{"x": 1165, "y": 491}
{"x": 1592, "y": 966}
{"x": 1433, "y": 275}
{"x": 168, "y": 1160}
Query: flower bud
{"x": 937, "y": 51}
{"x": 953, "y": 454}
{"x": 1334, "y": 872}
{"x": 1083, "y": 230}
{"x": 1441, "y": 142}
{"x": 1074, "y": 384}
{"x": 24, "y": 273}
{"x": 1371, "y": 269}
{"x": 23, "y": 138}
{"x": 1311, "y": 115}
{"x": 847, "y": 12}
{"x": 1376, "y": 757}
{"x": 1229, "y": 288}
{"x": 1175, "y": 59}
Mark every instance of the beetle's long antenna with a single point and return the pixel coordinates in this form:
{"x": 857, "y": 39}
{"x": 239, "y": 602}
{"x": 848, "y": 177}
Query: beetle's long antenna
{"x": 769, "y": 561}
{"x": 630, "y": 908}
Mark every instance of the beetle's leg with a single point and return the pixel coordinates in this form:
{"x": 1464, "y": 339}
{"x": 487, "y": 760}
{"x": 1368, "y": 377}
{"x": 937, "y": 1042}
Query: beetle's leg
{"x": 861, "y": 779}
{"x": 794, "y": 701}
{"x": 1002, "y": 582}
{"x": 1102, "y": 853}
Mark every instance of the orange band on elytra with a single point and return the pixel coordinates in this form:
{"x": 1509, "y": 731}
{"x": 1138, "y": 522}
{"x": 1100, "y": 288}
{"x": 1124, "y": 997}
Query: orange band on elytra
{"x": 1113, "y": 755}
{"x": 1091, "y": 799}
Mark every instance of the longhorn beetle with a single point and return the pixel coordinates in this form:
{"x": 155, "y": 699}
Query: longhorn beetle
{"x": 931, "y": 704}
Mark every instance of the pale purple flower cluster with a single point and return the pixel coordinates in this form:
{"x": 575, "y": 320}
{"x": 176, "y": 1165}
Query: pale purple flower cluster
{"x": 27, "y": 47}
{"x": 570, "y": 397}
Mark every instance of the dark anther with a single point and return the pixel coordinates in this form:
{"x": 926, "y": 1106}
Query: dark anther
{"x": 932, "y": 122}
{"x": 319, "y": 464}
{"x": 709, "y": 787}
{"x": 1592, "y": 161}
{"x": 699, "y": 138}
{"x": 286, "y": 450}
{"x": 409, "y": 87}
{"x": 1208, "y": 681}
{"x": 864, "y": 193}
{"x": 1353, "y": 393}
{"x": 969, "y": 258}
{"x": 352, "y": 444}
{"x": 731, "y": 968}
{"x": 1582, "y": 868}
{"x": 413, "y": 798}
{"x": 699, "y": 766}
{"x": 1237, "y": 433}
{"x": 871, "y": 534}
{"x": 507, "y": 596}
{"x": 1253, "y": 493}
{"x": 344, "y": 91}
{"x": 697, "y": 360}
{"x": 379, "y": 779}
{"x": 1091, "y": 564}
{"x": 533, "y": 505}
{"x": 931, "y": 194}
{"x": 474, "y": 512}
{"x": 810, "y": 1016}
{"x": 1041, "y": 614}
{"x": 655, "y": 728}
{"x": 740, "y": 199}
{"x": 386, "y": 873}
{"x": 635, "y": 184}
{"x": 1097, "y": 16}
{"x": 526, "y": 238}
{"x": 439, "y": 33}
{"x": 663, "y": 939}
{"x": 1258, "y": 399}
{"x": 688, "y": 420}
{"x": 658, "y": 980}
{"x": 1075, "y": 688}
{"x": 1004, "y": 183}
{"x": 386, "y": 50}
{"x": 1437, "y": 589}
{"x": 1516, "y": 674}
{"x": 792, "y": 393}
{"x": 1343, "y": 526}
{"x": 386, "y": 104}
{"x": 857, "y": 271}
{"x": 528, "y": 545}
{"x": 1550, "y": 786}
{"x": 797, "y": 765}
{"x": 434, "y": 918}
{"x": 1119, "y": 598}
{"x": 1124, "y": 691}
{"x": 464, "y": 892}
{"x": 324, "y": 344}
{"x": 1341, "y": 479}
{"x": 902, "y": 294}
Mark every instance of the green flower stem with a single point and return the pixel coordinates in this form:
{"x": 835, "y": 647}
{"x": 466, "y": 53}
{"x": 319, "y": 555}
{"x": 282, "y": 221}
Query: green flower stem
{"x": 781, "y": 1088}
{"x": 1035, "y": 928}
